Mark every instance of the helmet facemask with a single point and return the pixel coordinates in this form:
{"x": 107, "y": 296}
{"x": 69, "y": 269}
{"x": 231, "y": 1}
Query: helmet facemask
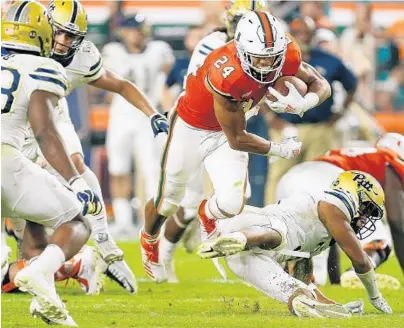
{"x": 371, "y": 211}
{"x": 76, "y": 36}
{"x": 266, "y": 74}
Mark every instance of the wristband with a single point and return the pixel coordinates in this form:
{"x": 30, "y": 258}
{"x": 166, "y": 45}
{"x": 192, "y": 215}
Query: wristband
{"x": 369, "y": 281}
{"x": 275, "y": 150}
{"x": 311, "y": 100}
{"x": 79, "y": 184}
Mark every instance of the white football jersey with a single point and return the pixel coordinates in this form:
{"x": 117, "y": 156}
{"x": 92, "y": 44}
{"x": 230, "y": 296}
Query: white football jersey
{"x": 86, "y": 65}
{"x": 143, "y": 69}
{"x": 21, "y": 76}
{"x": 204, "y": 47}
{"x": 305, "y": 231}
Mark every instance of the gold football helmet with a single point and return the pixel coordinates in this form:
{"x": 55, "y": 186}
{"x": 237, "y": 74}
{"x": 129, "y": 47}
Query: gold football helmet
{"x": 238, "y": 8}
{"x": 27, "y": 26}
{"x": 70, "y": 18}
{"x": 369, "y": 194}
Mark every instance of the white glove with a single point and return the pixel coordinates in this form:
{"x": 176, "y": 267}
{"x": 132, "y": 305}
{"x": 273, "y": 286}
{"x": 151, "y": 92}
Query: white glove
{"x": 288, "y": 149}
{"x": 90, "y": 201}
{"x": 293, "y": 102}
{"x": 381, "y": 304}
{"x": 355, "y": 307}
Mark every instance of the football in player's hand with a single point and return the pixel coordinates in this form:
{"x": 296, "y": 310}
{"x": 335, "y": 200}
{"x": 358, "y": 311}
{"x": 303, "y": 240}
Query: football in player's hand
{"x": 280, "y": 86}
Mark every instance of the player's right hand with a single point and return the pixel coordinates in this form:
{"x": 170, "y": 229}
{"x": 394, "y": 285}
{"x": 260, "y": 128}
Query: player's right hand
{"x": 89, "y": 200}
{"x": 381, "y": 304}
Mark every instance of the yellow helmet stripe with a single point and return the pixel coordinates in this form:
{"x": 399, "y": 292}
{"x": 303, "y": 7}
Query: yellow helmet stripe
{"x": 19, "y": 10}
{"x": 74, "y": 12}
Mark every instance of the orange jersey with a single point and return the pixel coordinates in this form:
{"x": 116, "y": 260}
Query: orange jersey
{"x": 370, "y": 160}
{"x": 223, "y": 72}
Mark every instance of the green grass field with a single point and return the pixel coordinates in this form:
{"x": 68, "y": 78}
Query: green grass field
{"x": 200, "y": 300}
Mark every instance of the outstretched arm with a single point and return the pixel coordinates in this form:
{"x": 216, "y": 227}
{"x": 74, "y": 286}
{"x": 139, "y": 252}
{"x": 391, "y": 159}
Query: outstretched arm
{"x": 111, "y": 82}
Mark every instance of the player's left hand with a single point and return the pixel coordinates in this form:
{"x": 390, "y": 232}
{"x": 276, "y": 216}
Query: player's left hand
{"x": 159, "y": 124}
{"x": 292, "y": 103}
{"x": 355, "y": 307}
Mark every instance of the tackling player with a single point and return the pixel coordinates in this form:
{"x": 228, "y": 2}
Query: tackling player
{"x": 32, "y": 85}
{"x": 83, "y": 64}
{"x": 298, "y": 228}
{"x": 208, "y": 125}
{"x": 384, "y": 162}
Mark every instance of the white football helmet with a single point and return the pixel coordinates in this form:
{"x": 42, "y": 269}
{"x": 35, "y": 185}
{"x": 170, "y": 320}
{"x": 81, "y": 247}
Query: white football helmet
{"x": 259, "y": 35}
{"x": 393, "y": 141}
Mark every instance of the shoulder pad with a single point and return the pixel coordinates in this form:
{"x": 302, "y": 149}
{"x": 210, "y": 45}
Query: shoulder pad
{"x": 49, "y": 75}
{"x": 293, "y": 57}
{"x": 87, "y": 61}
{"x": 223, "y": 76}
{"x": 344, "y": 200}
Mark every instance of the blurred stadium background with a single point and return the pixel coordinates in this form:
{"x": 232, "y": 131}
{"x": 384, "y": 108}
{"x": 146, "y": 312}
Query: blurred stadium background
{"x": 367, "y": 36}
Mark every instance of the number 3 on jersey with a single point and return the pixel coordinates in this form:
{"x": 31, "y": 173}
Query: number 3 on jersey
{"x": 9, "y": 84}
{"x": 226, "y": 70}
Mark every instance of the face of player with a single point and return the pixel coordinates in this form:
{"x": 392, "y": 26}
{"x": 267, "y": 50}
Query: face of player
{"x": 63, "y": 42}
{"x": 263, "y": 63}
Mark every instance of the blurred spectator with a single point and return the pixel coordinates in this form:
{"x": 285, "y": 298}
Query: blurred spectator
{"x": 391, "y": 93}
{"x": 358, "y": 47}
{"x": 316, "y": 11}
{"x": 175, "y": 80}
{"x": 397, "y": 33}
{"x": 213, "y": 11}
{"x": 316, "y": 128}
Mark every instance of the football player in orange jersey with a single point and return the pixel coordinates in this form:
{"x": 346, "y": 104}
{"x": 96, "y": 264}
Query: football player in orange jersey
{"x": 208, "y": 125}
{"x": 385, "y": 162}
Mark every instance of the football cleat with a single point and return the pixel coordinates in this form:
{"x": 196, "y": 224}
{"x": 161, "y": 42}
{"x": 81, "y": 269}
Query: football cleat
{"x": 349, "y": 279}
{"x": 107, "y": 248}
{"x": 89, "y": 277}
{"x": 306, "y": 307}
{"x": 150, "y": 258}
{"x": 120, "y": 272}
{"x": 38, "y": 312}
{"x": 42, "y": 288}
{"x": 226, "y": 245}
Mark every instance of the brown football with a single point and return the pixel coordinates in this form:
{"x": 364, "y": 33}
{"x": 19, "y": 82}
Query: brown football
{"x": 280, "y": 86}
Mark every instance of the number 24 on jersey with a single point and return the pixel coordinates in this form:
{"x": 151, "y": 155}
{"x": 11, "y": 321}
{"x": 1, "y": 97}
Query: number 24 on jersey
{"x": 227, "y": 70}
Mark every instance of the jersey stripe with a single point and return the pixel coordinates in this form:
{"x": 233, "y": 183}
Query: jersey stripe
{"x": 93, "y": 74}
{"x": 19, "y": 11}
{"x": 98, "y": 63}
{"x": 268, "y": 34}
{"x": 74, "y": 12}
{"x": 203, "y": 53}
{"x": 49, "y": 79}
{"x": 49, "y": 71}
{"x": 209, "y": 48}
{"x": 343, "y": 198}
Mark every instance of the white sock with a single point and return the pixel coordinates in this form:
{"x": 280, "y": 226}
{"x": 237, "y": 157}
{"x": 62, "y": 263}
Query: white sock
{"x": 50, "y": 260}
{"x": 98, "y": 223}
{"x": 167, "y": 248}
{"x": 122, "y": 212}
{"x": 320, "y": 267}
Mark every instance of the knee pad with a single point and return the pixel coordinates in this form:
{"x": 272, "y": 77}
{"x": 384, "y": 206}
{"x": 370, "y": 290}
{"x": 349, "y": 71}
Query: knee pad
{"x": 231, "y": 201}
{"x": 169, "y": 198}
